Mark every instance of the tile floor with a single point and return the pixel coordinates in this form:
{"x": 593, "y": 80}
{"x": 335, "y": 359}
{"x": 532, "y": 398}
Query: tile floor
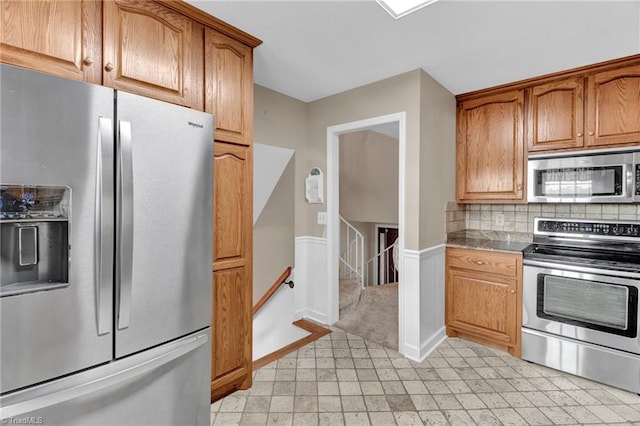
{"x": 342, "y": 379}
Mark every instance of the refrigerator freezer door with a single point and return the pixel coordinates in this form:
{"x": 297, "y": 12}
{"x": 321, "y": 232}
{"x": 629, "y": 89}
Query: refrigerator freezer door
{"x": 165, "y": 186}
{"x": 167, "y": 385}
{"x": 55, "y": 133}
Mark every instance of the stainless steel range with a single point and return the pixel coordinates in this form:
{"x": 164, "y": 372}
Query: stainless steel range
{"x": 580, "y": 299}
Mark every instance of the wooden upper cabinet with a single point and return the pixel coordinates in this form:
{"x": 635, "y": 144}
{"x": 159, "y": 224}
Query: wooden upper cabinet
{"x": 614, "y": 107}
{"x": 490, "y": 148}
{"x": 57, "y": 37}
{"x": 153, "y": 51}
{"x": 555, "y": 115}
{"x": 229, "y": 87}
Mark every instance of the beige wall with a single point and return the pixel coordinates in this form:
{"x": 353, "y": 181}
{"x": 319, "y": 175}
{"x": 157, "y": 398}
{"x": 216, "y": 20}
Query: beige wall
{"x": 369, "y": 177}
{"x": 430, "y": 153}
{"x": 437, "y": 159}
{"x": 396, "y": 94}
{"x": 368, "y": 231}
{"x": 279, "y": 121}
{"x": 273, "y": 235}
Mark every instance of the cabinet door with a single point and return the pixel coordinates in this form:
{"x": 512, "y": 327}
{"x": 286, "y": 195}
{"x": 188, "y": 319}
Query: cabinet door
{"x": 614, "y": 107}
{"x": 57, "y": 37}
{"x": 555, "y": 115}
{"x": 229, "y": 87}
{"x": 231, "y": 334}
{"x": 482, "y": 304}
{"x": 232, "y": 269}
{"x": 153, "y": 51}
{"x": 490, "y": 148}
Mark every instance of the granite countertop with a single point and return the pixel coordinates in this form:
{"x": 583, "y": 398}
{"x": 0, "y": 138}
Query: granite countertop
{"x": 512, "y": 242}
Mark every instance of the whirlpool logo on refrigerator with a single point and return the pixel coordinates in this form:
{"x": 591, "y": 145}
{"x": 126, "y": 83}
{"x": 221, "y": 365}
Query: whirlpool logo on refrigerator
{"x": 195, "y": 125}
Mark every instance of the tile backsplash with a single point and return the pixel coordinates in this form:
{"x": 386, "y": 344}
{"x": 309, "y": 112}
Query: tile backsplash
{"x": 519, "y": 217}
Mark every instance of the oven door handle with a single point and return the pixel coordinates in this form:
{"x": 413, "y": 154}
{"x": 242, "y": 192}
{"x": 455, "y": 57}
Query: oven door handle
{"x": 583, "y": 269}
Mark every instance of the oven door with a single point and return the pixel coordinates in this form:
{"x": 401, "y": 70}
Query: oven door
{"x": 586, "y": 304}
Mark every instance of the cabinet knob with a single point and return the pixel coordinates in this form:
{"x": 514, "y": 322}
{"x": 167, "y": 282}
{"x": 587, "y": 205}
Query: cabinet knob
{"x": 88, "y": 60}
{"x": 512, "y": 291}
{"x": 591, "y": 133}
{"x": 520, "y": 187}
{"x": 108, "y": 67}
{"x": 478, "y": 262}
{"x": 579, "y": 135}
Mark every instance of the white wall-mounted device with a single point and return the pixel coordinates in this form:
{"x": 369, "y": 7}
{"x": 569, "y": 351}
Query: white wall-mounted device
{"x": 314, "y": 189}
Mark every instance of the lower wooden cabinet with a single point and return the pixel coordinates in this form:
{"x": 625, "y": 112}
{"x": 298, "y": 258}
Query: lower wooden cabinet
{"x": 232, "y": 320}
{"x": 483, "y": 297}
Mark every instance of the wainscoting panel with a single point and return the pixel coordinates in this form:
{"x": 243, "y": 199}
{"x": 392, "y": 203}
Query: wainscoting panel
{"x": 423, "y": 299}
{"x": 311, "y": 297}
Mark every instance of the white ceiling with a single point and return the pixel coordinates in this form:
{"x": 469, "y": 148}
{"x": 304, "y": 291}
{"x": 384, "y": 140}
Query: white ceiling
{"x": 313, "y": 49}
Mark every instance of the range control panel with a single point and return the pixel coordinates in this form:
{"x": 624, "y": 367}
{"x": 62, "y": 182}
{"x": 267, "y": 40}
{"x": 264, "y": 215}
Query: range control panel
{"x": 586, "y": 227}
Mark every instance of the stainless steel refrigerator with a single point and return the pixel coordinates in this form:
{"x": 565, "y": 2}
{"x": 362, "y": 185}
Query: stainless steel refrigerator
{"x": 105, "y": 250}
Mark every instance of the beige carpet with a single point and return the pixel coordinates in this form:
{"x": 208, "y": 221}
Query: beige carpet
{"x": 350, "y": 291}
{"x": 374, "y": 316}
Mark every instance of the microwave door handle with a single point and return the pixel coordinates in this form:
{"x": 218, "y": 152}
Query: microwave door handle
{"x": 125, "y": 225}
{"x": 631, "y": 180}
{"x": 104, "y": 226}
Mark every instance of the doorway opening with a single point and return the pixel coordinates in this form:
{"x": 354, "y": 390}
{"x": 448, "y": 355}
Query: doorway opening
{"x": 385, "y": 263}
{"x": 333, "y": 213}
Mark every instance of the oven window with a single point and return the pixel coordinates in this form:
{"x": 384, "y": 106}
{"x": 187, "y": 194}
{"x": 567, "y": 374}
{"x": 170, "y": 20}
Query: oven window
{"x": 580, "y": 182}
{"x": 596, "y": 305}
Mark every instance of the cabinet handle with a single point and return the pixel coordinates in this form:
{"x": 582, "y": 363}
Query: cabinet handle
{"x": 88, "y": 60}
{"x": 520, "y": 187}
{"x": 591, "y": 133}
{"x": 512, "y": 291}
{"x": 108, "y": 67}
{"x": 579, "y": 135}
{"x": 478, "y": 262}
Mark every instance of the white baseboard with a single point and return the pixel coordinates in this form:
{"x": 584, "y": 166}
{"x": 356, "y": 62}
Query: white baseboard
{"x": 316, "y": 316}
{"x": 433, "y": 342}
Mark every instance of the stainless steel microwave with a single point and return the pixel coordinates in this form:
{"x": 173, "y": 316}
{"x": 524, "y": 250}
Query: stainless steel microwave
{"x": 579, "y": 178}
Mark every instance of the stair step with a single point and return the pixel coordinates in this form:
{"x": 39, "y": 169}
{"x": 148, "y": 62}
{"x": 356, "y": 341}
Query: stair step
{"x": 350, "y": 290}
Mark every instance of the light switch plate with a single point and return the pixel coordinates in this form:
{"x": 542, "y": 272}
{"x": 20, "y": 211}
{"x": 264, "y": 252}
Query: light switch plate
{"x": 322, "y": 218}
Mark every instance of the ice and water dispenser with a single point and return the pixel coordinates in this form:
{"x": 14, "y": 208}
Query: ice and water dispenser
{"x": 34, "y": 238}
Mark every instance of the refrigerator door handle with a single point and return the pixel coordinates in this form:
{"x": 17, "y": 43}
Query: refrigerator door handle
{"x": 104, "y": 226}
{"x": 112, "y": 375}
{"x": 125, "y": 227}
